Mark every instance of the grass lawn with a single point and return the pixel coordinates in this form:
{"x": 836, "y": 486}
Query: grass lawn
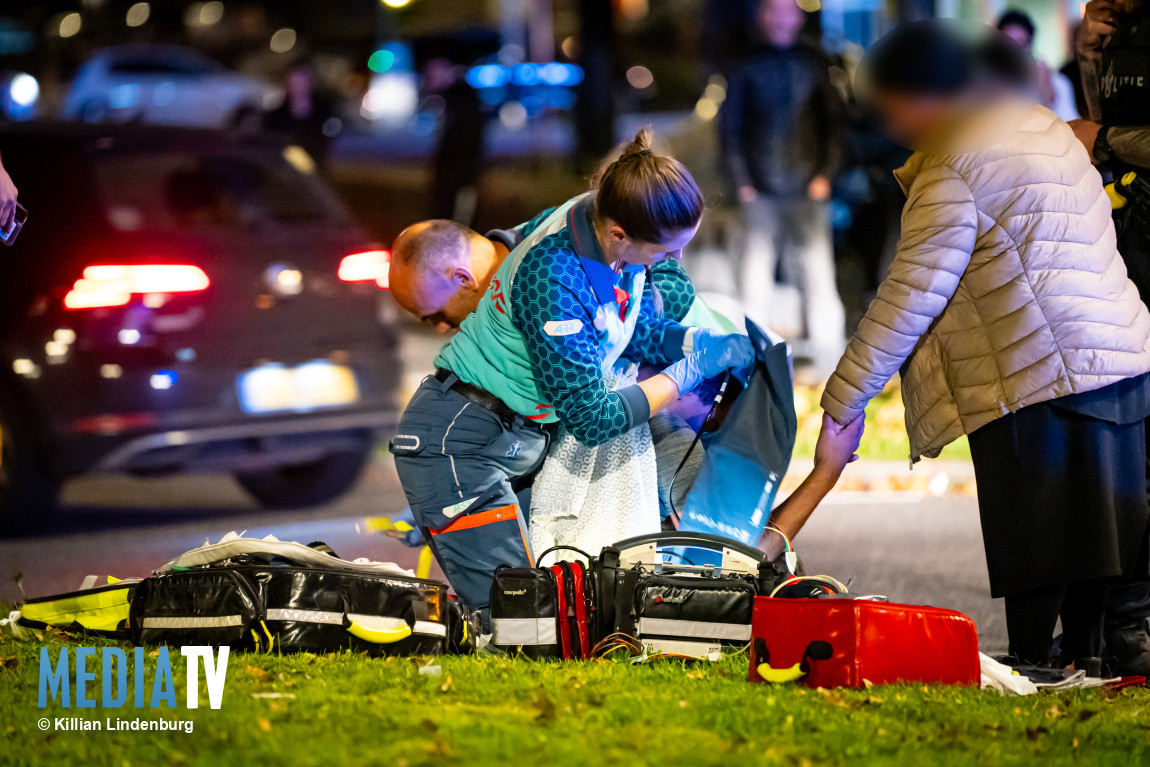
{"x": 346, "y": 709}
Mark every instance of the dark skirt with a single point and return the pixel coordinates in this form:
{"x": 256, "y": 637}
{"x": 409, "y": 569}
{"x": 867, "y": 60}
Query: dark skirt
{"x": 1062, "y": 496}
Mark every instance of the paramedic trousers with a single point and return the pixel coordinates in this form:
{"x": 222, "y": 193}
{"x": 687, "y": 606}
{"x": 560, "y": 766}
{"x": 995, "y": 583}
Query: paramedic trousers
{"x": 459, "y": 464}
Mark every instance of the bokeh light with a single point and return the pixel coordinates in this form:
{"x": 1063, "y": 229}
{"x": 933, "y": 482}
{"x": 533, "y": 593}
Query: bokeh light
{"x": 640, "y": 77}
{"x": 138, "y": 15}
{"x": 283, "y": 40}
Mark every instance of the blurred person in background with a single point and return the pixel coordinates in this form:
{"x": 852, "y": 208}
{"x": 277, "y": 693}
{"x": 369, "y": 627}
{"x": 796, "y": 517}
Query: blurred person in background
{"x": 1008, "y": 313}
{"x": 458, "y": 161}
{"x": 780, "y": 132}
{"x": 8, "y": 194}
{"x": 306, "y": 117}
{"x": 1114, "y": 56}
{"x": 1055, "y": 91}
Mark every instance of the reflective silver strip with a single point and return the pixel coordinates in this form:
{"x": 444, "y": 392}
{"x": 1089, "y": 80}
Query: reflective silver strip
{"x": 524, "y": 631}
{"x": 214, "y": 622}
{"x": 427, "y": 627}
{"x": 734, "y": 632}
{"x": 304, "y": 616}
{"x": 369, "y": 621}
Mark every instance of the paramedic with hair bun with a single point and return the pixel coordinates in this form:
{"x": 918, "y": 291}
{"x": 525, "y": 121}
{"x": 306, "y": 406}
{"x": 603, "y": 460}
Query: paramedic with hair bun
{"x": 566, "y": 304}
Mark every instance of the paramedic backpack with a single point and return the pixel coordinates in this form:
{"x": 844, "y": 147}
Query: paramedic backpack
{"x": 749, "y": 454}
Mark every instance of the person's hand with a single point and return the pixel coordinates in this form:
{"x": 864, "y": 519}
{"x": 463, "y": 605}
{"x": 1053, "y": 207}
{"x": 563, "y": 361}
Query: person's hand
{"x": 1099, "y": 21}
{"x": 1086, "y": 131}
{"x": 819, "y": 188}
{"x": 719, "y": 356}
{"x": 837, "y": 444}
{"x": 8, "y": 195}
{"x": 748, "y": 194}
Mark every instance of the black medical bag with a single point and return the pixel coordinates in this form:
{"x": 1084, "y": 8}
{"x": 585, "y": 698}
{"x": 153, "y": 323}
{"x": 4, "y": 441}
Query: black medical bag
{"x": 277, "y": 596}
{"x": 545, "y": 612}
{"x": 642, "y": 593}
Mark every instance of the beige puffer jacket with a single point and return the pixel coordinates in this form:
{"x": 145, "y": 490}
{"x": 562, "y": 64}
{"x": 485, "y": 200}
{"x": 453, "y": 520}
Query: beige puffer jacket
{"x": 1007, "y": 290}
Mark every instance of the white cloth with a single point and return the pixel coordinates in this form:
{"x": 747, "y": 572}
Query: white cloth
{"x": 1001, "y": 677}
{"x": 591, "y": 497}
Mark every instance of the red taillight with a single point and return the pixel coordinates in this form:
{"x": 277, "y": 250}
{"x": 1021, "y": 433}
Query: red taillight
{"x": 369, "y": 266}
{"x": 112, "y": 285}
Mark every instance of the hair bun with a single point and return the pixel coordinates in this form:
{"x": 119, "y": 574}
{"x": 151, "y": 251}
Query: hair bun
{"x": 639, "y": 146}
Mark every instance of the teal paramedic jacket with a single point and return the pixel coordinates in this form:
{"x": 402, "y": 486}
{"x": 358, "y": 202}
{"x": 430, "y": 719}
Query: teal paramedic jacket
{"x": 554, "y": 317}
{"x": 676, "y": 291}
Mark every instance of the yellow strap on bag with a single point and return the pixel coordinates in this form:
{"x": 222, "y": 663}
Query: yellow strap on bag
{"x": 102, "y": 609}
{"x": 377, "y": 630}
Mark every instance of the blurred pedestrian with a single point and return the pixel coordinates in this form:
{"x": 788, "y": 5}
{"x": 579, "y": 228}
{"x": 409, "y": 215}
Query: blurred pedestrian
{"x": 1114, "y": 54}
{"x": 458, "y": 162}
{"x": 307, "y": 116}
{"x": 1009, "y": 314}
{"x": 780, "y": 129}
{"x": 1055, "y": 91}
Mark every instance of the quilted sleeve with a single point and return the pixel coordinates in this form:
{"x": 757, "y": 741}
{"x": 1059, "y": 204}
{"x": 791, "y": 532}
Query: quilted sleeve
{"x": 939, "y": 229}
{"x": 554, "y": 308}
{"x": 657, "y": 339}
{"x": 675, "y": 288}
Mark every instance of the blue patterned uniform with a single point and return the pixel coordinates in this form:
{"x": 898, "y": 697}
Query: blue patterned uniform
{"x": 554, "y": 318}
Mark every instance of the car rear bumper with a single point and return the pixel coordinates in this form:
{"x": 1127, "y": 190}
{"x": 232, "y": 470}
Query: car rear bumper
{"x": 248, "y": 446}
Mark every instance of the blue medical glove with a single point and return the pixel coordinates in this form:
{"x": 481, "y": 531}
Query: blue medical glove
{"x": 733, "y": 351}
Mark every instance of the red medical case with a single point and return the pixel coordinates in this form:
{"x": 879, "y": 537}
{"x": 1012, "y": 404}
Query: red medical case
{"x": 847, "y": 642}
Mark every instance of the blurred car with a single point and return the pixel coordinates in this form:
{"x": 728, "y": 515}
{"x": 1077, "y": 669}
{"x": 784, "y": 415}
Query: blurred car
{"x": 166, "y": 84}
{"x": 186, "y": 300}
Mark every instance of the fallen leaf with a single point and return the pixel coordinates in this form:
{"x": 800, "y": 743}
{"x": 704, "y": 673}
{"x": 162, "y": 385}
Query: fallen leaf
{"x": 265, "y": 725}
{"x": 1074, "y": 743}
{"x": 682, "y": 704}
{"x": 446, "y": 684}
{"x": 254, "y": 671}
{"x": 1054, "y": 712}
{"x": 288, "y": 695}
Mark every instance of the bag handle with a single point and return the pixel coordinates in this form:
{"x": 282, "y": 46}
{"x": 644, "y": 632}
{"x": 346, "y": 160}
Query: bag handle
{"x": 539, "y": 559}
{"x": 694, "y": 540}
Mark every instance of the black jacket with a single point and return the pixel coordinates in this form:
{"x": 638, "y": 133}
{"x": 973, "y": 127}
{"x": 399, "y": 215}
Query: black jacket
{"x": 782, "y": 122}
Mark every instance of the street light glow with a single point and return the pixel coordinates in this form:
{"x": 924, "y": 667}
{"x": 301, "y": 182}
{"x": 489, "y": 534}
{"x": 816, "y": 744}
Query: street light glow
{"x": 283, "y": 40}
{"x": 396, "y": 3}
{"x": 70, "y": 24}
{"x": 138, "y": 14}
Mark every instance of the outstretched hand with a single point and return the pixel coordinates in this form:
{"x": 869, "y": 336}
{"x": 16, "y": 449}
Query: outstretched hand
{"x": 8, "y": 196}
{"x": 837, "y": 444}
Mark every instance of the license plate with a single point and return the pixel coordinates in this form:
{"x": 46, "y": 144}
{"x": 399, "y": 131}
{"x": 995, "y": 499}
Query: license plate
{"x": 276, "y": 388}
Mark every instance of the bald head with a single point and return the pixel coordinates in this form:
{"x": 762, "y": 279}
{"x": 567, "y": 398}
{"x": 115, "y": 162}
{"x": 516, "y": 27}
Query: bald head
{"x": 440, "y": 270}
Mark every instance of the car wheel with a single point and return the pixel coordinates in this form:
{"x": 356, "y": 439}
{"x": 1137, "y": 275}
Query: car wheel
{"x": 94, "y": 111}
{"x": 307, "y": 484}
{"x": 27, "y": 493}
